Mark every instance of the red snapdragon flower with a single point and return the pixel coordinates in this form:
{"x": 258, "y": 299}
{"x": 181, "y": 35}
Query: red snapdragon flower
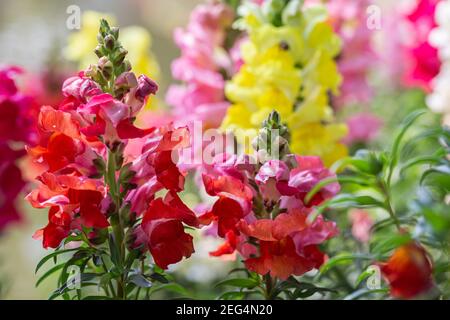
{"x": 73, "y": 202}
{"x": 164, "y": 230}
{"x": 234, "y": 202}
{"x": 408, "y": 271}
{"x": 285, "y": 244}
{"x": 288, "y": 244}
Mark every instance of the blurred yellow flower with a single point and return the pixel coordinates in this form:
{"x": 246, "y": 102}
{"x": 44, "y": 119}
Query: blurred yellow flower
{"x": 290, "y": 68}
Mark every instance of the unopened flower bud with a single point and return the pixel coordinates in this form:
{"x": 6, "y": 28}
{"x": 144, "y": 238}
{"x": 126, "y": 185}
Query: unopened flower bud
{"x": 109, "y": 42}
{"x": 98, "y": 236}
{"x": 120, "y": 56}
{"x": 99, "y": 51}
{"x": 115, "y": 32}
{"x": 146, "y": 87}
{"x": 127, "y": 217}
{"x": 126, "y": 65}
{"x": 126, "y": 80}
{"x": 91, "y": 71}
{"x": 99, "y": 164}
{"x": 106, "y": 67}
{"x": 135, "y": 239}
{"x": 100, "y": 38}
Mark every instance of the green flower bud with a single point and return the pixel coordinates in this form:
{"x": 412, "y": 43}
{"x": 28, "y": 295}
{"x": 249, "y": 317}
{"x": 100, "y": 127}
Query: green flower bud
{"x": 110, "y": 42}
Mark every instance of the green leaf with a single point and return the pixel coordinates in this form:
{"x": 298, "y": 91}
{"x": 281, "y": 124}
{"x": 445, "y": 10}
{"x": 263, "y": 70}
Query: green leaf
{"x": 240, "y": 283}
{"x": 364, "y": 292}
{"x": 115, "y": 255}
{"x": 233, "y": 295}
{"x": 82, "y": 282}
{"x": 363, "y": 276}
{"x": 159, "y": 277}
{"x": 235, "y": 270}
{"x": 442, "y": 169}
{"x": 48, "y": 273}
{"x": 97, "y": 298}
{"x": 140, "y": 281}
{"x": 48, "y": 257}
{"x": 105, "y": 279}
{"x": 302, "y": 289}
{"x": 434, "y": 159}
{"x": 342, "y": 259}
{"x": 173, "y": 287}
{"x": 345, "y": 201}
{"x": 341, "y": 179}
{"x": 407, "y": 123}
{"x": 414, "y": 141}
{"x": 389, "y": 222}
{"x": 364, "y": 161}
{"x": 80, "y": 259}
{"x": 387, "y": 244}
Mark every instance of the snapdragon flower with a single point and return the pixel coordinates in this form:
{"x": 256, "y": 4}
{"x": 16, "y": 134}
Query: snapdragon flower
{"x": 93, "y": 191}
{"x": 136, "y": 39}
{"x": 262, "y": 212}
{"x": 289, "y": 65}
{"x": 201, "y": 67}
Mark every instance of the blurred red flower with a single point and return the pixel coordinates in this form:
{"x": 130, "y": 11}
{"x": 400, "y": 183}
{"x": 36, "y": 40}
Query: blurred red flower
{"x": 408, "y": 271}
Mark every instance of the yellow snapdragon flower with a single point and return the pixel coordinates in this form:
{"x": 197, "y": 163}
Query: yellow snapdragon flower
{"x": 135, "y": 39}
{"x": 290, "y": 68}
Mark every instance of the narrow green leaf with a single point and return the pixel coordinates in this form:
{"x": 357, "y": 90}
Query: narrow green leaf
{"x": 364, "y": 292}
{"x": 48, "y": 273}
{"x": 140, "y": 281}
{"x": 48, "y": 257}
{"x": 407, "y": 123}
{"x": 240, "y": 283}
{"x": 115, "y": 255}
{"x": 433, "y": 159}
{"x": 97, "y": 298}
{"x": 233, "y": 295}
{"x": 341, "y": 259}
{"x": 386, "y": 244}
{"x": 363, "y": 276}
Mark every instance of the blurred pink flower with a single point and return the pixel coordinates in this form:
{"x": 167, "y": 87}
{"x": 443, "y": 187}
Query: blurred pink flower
{"x": 17, "y": 117}
{"x": 201, "y": 96}
{"x": 422, "y": 61}
{"x": 363, "y": 127}
{"x": 358, "y": 57}
{"x": 362, "y": 224}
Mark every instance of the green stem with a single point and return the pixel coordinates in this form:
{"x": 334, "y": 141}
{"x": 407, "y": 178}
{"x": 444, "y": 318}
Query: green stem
{"x": 343, "y": 279}
{"x": 269, "y": 286}
{"x": 116, "y": 221}
{"x": 111, "y": 287}
{"x": 388, "y": 204}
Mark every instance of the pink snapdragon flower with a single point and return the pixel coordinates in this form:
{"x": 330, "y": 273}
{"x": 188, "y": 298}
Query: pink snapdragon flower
{"x": 201, "y": 96}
